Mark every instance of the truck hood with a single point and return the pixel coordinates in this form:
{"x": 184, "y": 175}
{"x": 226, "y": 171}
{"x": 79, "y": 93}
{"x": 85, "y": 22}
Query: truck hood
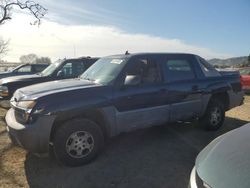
{"x": 20, "y": 78}
{"x": 225, "y": 161}
{"x": 5, "y": 74}
{"x": 47, "y": 88}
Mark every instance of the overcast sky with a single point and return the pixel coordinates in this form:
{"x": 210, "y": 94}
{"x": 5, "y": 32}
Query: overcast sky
{"x": 98, "y": 28}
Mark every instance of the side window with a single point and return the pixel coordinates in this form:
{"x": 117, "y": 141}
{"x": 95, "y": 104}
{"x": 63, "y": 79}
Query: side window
{"x": 38, "y": 68}
{"x": 66, "y": 70}
{"x": 146, "y": 72}
{"x": 207, "y": 69}
{"x": 178, "y": 70}
{"x": 78, "y": 68}
{"x": 26, "y": 68}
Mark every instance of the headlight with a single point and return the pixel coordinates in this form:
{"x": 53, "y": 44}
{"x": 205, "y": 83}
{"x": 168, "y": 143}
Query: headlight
{"x": 23, "y": 110}
{"x": 4, "y": 92}
{"x": 28, "y": 105}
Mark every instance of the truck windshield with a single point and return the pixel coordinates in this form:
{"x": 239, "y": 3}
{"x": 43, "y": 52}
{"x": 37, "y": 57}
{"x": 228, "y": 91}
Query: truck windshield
{"x": 104, "y": 71}
{"x": 50, "y": 69}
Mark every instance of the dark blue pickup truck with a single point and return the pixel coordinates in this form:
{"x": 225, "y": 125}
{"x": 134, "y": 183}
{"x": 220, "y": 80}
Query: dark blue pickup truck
{"x": 61, "y": 69}
{"x": 117, "y": 94}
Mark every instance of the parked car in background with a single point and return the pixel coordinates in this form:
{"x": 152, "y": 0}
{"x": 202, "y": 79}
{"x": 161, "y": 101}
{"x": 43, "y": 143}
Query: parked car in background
{"x": 24, "y": 69}
{"x": 62, "y": 69}
{"x": 119, "y": 94}
{"x": 224, "y": 162}
{"x": 245, "y": 79}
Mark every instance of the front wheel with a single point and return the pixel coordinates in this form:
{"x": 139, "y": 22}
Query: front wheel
{"x": 214, "y": 115}
{"x": 78, "y": 142}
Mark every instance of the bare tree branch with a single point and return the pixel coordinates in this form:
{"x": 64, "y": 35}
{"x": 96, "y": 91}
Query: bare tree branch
{"x": 34, "y": 8}
{"x": 3, "y": 47}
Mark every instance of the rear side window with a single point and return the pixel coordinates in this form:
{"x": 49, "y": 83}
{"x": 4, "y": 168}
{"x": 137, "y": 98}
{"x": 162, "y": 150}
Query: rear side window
{"x": 38, "y": 68}
{"x": 179, "y": 70}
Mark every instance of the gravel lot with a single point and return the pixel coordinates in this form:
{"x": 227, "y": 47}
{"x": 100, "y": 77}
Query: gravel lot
{"x": 155, "y": 157}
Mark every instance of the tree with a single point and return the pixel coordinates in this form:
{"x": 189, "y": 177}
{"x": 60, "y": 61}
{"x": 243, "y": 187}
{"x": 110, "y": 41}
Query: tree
{"x": 248, "y": 59}
{"x": 33, "y": 59}
{"x": 3, "y": 47}
{"x": 35, "y": 9}
{"x": 6, "y": 9}
{"x": 30, "y": 58}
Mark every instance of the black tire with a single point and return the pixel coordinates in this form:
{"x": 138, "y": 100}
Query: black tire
{"x": 214, "y": 116}
{"x": 73, "y": 137}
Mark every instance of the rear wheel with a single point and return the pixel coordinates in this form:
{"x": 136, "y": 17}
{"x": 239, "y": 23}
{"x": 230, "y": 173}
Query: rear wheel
{"x": 214, "y": 116}
{"x": 78, "y": 142}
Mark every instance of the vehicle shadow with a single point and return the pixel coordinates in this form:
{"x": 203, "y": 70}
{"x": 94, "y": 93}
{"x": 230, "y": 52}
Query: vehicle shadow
{"x": 161, "y": 156}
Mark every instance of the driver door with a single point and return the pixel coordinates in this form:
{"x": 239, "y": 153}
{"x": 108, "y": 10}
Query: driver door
{"x": 140, "y": 103}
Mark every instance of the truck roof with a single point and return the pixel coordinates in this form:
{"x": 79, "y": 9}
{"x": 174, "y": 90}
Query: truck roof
{"x": 148, "y": 54}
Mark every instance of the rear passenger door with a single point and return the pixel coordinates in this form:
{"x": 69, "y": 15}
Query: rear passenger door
{"x": 184, "y": 94}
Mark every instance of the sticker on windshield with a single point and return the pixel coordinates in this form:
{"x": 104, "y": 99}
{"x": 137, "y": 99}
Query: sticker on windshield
{"x": 117, "y": 61}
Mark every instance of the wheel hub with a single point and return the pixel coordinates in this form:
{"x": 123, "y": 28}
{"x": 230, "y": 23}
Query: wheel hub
{"x": 79, "y": 144}
{"x": 215, "y": 116}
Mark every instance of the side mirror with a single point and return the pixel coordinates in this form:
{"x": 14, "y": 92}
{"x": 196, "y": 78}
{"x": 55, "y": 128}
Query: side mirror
{"x": 132, "y": 80}
{"x": 60, "y": 73}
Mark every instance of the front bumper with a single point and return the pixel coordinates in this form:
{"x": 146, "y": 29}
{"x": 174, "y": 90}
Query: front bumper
{"x": 34, "y": 137}
{"x": 195, "y": 181}
{"x": 192, "y": 182}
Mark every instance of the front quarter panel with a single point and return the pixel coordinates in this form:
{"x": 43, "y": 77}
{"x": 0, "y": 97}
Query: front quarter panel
{"x": 72, "y": 103}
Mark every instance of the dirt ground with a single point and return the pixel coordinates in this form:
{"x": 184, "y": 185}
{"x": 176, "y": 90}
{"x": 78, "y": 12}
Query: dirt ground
{"x": 154, "y": 157}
